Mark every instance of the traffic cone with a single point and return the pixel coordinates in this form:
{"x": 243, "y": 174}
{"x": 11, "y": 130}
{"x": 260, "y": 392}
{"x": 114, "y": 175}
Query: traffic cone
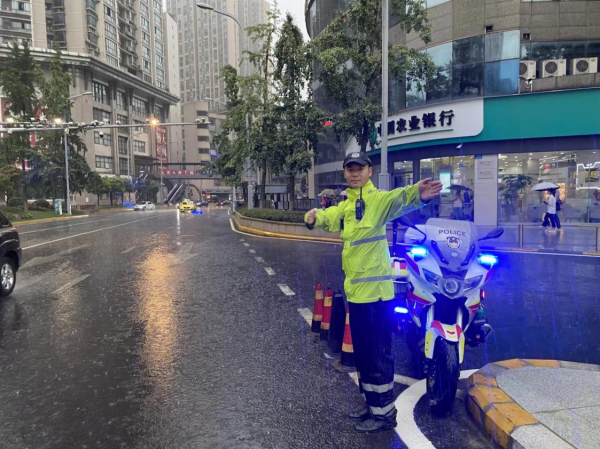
{"x": 338, "y": 317}
{"x": 326, "y": 321}
{"x": 317, "y": 309}
{"x": 347, "y": 359}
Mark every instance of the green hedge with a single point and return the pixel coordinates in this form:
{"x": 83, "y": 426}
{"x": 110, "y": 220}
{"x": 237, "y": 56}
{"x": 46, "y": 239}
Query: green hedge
{"x": 15, "y": 201}
{"x": 42, "y": 204}
{"x": 273, "y": 215}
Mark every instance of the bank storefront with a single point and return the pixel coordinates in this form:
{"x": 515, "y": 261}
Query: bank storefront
{"x": 488, "y": 152}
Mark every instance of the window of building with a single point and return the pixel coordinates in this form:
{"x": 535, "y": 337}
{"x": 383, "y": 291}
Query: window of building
{"x": 145, "y": 24}
{"x": 92, "y": 20}
{"x": 110, "y": 30}
{"x": 147, "y": 66}
{"x": 157, "y": 6}
{"x": 122, "y": 103}
{"x": 157, "y": 20}
{"x": 467, "y": 81}
{"x": 110, "y": 3}
{"x": 203, "y": 139}
{"x": 145, "y": 52}
{"x": 160, "y": 61}
{"x": 203, "y": 150}
{"x": 502, "y": 46}
{"x": 139, "y": 146}
{"x": 144, "y": 10}
{"x": 123, "y": 166}
{"x": 21, "y": 6}
{"x": 502, "y": 77}
{"x": 145, "y": 38}
{"x": 139, "y": 129}
{"x": 109, "y": 14}
{"x": 124, "y": 120}
{"x": 100, "y": 115}
{"x": 106, "y": 139}
{"x": 201, "y": 113}
{"x": 159, "y": 48}
{"x": 100, "y": 92}
{"x": 103, "y": 162}
{"x": 468, "y": 51}
{"x": 140, "y": 107}
{"x": 158, "y": 34}
{"x": 122, "y": 141}
{"x": 111, "y": 47}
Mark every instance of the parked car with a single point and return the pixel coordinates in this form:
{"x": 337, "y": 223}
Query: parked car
{"x": 202, "y": 204}
{"x": 144, "y": 205}
{"x": 10, "y": 256}
{"x": 187, "y": 206}
{"x": 225, "y": 203}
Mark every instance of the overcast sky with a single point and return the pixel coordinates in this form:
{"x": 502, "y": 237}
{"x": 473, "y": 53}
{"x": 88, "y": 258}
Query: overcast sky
{"x": 296, "y": 7}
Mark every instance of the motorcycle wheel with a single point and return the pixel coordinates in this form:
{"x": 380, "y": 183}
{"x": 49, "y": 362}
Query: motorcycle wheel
{"x": 443, "y": 372}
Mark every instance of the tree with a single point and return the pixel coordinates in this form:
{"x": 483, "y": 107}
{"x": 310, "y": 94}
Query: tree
{"x": 49, "y": 163}
{"x": 259, "y": 97}
{"x": 9, "y": 180}
{"x": 20, "y": 76}
{"x": 349, "y": 51}
{"x": 95, "y": 185}
{"x": 299, "y": 120}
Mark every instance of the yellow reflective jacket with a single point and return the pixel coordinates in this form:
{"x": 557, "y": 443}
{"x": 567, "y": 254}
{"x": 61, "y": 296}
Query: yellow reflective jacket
{"x": 366, "y": 256}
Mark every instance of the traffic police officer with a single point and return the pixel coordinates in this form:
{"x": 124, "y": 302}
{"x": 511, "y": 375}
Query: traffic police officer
{"x": 361, "y": 220}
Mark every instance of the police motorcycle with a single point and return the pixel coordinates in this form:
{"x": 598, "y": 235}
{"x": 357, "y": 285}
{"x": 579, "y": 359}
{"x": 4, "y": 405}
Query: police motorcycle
{"x": 439, "y": 300}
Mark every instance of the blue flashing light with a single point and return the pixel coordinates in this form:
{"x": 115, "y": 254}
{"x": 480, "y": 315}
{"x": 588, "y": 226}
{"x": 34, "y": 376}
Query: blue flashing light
{"x": 401, "y": 310}
{"x": 195, "y": 212}
{"x": 488, "y": 259}
{"x": 418, "y": 251}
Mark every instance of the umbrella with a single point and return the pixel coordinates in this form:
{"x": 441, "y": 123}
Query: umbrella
{"x": 544, "y": 186}
{"x": 327, "y": 193}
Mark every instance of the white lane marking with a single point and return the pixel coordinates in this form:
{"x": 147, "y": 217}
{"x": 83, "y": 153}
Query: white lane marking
{"x": 404, "y": 380}
{"x": 47, "y": 259}
{"x": 246, "y": 244}
{"x": 85, "y": 233}
{"x": 260, "y": 259}
{"x": 286, "y": 290}
{"x": 70, "y": 284}
{"x": 279, "y": 238}
{"x": 270, "y": 272}
{"x": 408, "y": 431}
{"x": 65, "y": 226}
{"x": 252, "y": 251}
{"x": 242, "y": 240}
{"x": 128, "y": 250}
{"x": 307, "y": 315}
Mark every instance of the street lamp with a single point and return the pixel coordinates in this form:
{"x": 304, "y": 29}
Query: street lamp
{"x": 66, "y": 142}
{"x": 384, "y": 176}
{"x": 153, "y": 122}
{"x": 130, "y": 154}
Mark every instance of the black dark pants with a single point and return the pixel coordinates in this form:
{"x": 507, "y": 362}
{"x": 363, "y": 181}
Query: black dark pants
{"x": 371, "y": 325}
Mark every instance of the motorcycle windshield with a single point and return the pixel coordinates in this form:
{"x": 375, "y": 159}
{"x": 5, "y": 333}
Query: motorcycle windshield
{"x": 453, "y": 239}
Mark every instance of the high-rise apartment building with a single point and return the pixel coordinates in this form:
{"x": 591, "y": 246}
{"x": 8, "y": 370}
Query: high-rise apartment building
{"x": 115, "y": 49}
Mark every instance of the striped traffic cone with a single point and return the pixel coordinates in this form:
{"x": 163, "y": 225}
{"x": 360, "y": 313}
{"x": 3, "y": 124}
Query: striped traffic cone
{"x": 317, "y": 309}
{"x": 347, "y": 359}
{"x": 326, "y": 321}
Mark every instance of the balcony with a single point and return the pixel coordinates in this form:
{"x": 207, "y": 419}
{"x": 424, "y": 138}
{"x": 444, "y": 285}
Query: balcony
{"x": 16, "y": 13}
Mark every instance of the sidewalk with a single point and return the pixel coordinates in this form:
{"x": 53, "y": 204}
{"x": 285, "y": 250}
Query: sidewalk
{"x": 533, "y": 404}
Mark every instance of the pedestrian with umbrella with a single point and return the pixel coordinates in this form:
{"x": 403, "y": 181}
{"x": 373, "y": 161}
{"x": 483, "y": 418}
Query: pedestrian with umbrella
{"x": 550, "y": 218}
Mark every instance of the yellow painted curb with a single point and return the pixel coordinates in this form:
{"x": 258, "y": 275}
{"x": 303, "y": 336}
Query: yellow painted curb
{"x": 47, "y": 220}
{"x": 491, "y": 408}
{"x": 285, "y": 236}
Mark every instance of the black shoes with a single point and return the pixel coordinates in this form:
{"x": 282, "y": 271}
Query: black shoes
{"x": 374, "y": 425}
{"x": 360, "y": 414}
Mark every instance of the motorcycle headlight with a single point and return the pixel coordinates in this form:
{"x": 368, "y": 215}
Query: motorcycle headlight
{"x": 451, "y": 286}
{"x": 432, "y": 278}
{"x": 470, "y": 284}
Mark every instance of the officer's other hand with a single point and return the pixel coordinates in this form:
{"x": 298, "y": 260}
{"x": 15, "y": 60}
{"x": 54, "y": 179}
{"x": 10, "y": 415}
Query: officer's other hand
{"x": 429, "y": 189}
{"x": 311, "y": 217}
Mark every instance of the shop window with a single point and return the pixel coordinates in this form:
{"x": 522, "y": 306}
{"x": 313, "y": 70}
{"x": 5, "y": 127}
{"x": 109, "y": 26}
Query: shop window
{"x": 502, "y": 46}
{"x": 593, "y": 49}
{"x": 467, "y": 81}
{"x": 440, "y": 87}
{"x": 570, "y": 50}
{"x": 441, "y": 55}
{"x": 502, "y": 78}
{"x": 526, "y": 50}
{"x": 415, "y": 95}
{"x": 468, "y": 51}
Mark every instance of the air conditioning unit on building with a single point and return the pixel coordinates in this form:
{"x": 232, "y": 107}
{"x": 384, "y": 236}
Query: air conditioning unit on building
{"x": 554, "y": 67}
{"x": 527, "y": 70}
{"x": 580, "y": 66}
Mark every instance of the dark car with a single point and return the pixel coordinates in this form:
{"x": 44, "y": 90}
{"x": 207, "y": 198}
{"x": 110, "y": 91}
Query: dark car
{"x": 10, "y": 255}
{"x": 202, "y": 204}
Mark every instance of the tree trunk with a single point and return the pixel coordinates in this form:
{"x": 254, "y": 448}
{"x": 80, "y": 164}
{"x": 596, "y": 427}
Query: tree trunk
{"x": 24, "y": 185}
{"x": 364, "y": 138}
{"x": 292, "y": 189}
{"x": 263, "y": 186}
{"x": 111, "y": 198}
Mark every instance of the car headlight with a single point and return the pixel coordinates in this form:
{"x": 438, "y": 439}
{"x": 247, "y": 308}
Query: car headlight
{"x": 470, "y": 284}
{"x": 432, "y": 278}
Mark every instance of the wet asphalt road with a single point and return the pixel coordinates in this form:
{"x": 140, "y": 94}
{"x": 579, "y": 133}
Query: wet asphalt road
{"x": 161, "y": 330}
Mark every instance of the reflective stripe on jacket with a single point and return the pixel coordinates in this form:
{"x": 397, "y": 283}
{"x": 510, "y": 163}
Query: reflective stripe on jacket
{"x": 366, "y": 256}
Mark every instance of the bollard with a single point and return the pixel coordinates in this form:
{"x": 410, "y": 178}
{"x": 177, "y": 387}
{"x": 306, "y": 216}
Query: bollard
{"x": 317, "y": 309}
{"x": 326, "y": 321}
{"x": 347, "y": 359}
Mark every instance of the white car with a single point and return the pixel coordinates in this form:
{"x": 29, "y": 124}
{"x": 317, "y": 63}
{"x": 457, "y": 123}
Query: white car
{"x": 144, "y": 205}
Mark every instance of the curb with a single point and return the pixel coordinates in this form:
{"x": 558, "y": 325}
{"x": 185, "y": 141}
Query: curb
{"x": 47, "y": 220}
{"x": 497, "y": 414}
{"x": 286, "y": 236}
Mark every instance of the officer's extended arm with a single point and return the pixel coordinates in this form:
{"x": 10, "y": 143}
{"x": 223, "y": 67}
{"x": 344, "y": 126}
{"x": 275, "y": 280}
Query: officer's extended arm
{"x": 328, "y": 219}
{"x": 398, "y": 202}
